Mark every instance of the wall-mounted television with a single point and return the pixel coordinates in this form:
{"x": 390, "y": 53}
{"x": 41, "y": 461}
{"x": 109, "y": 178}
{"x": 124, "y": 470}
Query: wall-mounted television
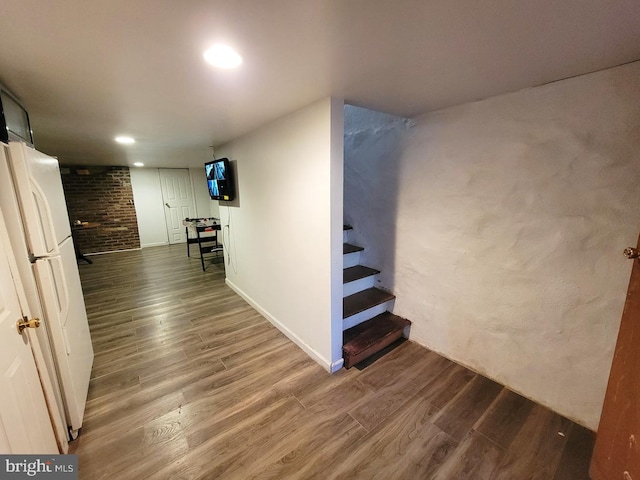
{"x": 220, "y": 179}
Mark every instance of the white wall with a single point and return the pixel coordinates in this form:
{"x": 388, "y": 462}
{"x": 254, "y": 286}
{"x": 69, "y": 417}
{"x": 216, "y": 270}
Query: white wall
{"x": 511, "y": 217}
{"x": 284, "y": 237}
{"x": 147, "y": 196}
{"x": 336, "y": 225}
{"x": 205, "y": 207}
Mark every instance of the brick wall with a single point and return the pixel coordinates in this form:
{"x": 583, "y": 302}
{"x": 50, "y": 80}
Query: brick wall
{"x": 101, "y": 195}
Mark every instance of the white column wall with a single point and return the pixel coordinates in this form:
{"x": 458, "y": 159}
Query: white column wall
{"x": 281, "y": 231}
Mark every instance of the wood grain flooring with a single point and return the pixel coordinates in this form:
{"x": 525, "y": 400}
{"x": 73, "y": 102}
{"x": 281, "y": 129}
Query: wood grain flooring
{"x": 189, "y": 382}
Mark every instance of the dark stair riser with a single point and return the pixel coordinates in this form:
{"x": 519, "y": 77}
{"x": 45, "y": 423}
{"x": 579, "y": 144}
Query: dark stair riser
{"x": 368, "y": 338}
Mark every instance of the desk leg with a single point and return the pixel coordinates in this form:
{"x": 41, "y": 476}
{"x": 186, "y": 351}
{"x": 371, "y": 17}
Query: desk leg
{"x": 79, "y": 255}
{"x": 82, "y": 257}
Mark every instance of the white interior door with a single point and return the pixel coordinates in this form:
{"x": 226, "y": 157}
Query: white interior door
{"x": 39, "y": 186}
{"x": 25, "y": 427}
{"x": 178, "y": 201}
{"x": 63, "y": 305}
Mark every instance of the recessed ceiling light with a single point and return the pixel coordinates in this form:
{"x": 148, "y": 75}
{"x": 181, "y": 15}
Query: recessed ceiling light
{"x": 223, "y": 56}
{"x": 138, "y": 164}
{"x": 125, "y": 140}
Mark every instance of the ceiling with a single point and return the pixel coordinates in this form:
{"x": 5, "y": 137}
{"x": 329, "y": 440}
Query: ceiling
{"x": 89, "y": 70}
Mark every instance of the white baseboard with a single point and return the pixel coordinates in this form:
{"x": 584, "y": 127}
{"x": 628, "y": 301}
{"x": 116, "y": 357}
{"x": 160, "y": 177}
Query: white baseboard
{"x": 155, "y": 244}
{"x": 337, "y": 365}
{"x": 327, "y": 365}
{"x": 111, "y": 251}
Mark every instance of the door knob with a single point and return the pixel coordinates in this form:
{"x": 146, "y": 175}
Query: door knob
{"x": 631, "y": 253}
{"x": 167, "y": 205}
{"x": 22, "y": 324}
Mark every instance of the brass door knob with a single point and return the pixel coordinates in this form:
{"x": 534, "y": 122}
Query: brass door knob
{"x": 631, "y": 253}
{"x": 22, "y": 324}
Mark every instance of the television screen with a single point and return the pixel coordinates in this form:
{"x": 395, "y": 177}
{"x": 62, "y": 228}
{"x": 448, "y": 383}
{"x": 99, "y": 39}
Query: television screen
{"x": 220, "y": 179}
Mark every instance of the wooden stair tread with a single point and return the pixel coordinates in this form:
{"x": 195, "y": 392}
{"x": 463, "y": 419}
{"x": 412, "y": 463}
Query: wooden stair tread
{"x": 347, "y": 227}
{"x": 368, "y": 338}
{"x": 357, "y": 272}
{"x": 349, "y": 248}
{"x": 359, "y": 302}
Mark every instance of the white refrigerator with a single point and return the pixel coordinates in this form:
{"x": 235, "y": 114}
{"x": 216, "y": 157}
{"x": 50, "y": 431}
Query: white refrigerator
{"x": 33, "y": 203}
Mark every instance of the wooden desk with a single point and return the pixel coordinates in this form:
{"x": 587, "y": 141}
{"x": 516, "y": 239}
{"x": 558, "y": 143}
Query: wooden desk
{"x": 191, "y": 225}
{"x": 206, "y": 236}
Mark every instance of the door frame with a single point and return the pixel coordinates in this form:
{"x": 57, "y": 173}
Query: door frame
{"x": 616, "y": 446}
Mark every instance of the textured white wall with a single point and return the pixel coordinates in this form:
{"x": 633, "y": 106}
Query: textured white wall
{"x": 510, "y": 220}
{"x": 373, "y": 143}
{"x": 283, "y": 224}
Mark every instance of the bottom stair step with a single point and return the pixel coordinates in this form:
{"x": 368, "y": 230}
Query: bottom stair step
{"x": 368, "y": 338}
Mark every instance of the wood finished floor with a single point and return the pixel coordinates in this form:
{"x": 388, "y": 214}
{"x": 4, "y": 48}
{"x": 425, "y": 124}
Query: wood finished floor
{"x": 190, "y": 382}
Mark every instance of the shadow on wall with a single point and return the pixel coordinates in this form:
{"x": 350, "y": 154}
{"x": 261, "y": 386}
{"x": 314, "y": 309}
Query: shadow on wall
{"x": 225, "y": 213}
{"x": 372, "y": 149}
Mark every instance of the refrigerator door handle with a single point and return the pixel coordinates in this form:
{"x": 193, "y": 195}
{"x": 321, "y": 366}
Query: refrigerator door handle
{"x": 45, "y": 219}
{"x": 63, "y": 295}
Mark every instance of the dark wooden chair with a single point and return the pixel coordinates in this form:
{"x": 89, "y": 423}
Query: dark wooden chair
{"x": 207, "y": 239}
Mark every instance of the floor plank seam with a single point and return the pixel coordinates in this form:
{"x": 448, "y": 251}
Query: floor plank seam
{"x": 500, "y": 447}
{"x": 487, "y": 412}
{"x": 356, "y": 420}
{"x": 299, "y": 401}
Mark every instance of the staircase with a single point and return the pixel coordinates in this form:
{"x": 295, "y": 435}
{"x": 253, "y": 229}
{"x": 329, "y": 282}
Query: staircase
{"x": 368, "y": 326}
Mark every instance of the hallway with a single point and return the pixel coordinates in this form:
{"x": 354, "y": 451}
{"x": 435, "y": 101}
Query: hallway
{"x": 190, "y": 382}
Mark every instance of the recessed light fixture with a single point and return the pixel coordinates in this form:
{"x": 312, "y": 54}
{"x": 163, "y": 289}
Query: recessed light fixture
{"x": 125, "y": 140}
{"x": 138, "y": 164}
{"x": 223, "y": 56}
